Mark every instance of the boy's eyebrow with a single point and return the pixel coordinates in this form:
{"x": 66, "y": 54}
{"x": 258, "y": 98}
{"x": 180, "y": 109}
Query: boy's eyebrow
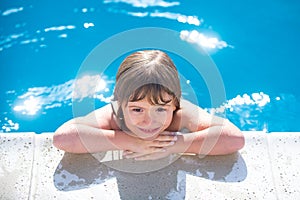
{"x": 133, "y": 106}
{"x": 167, "y": 104}
{"x": 130, "y": 105}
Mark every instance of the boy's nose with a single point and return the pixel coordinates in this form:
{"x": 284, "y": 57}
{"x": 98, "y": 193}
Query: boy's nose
{"x": 147, "y": 120}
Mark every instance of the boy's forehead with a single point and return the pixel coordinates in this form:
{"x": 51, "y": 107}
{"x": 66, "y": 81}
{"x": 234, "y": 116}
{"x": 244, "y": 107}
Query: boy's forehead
{"x": 145, "y": 101}
{"x": 161, "y": 96}
{"x": 145, "y": 104}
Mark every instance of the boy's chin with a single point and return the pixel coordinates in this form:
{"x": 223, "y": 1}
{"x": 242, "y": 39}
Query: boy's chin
{"x": 150, "y": 137}
{"x": 147, "y": 136}
{"x": 144, "y": 136}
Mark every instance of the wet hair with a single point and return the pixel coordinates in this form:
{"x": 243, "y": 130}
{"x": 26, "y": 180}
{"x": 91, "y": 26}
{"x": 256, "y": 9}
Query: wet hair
{"x": 147, "y": 74}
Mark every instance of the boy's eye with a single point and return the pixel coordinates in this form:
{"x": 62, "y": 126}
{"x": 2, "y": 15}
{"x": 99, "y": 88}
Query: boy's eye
{"x": 137, "y": 110}
{"x": 161, "y": 109}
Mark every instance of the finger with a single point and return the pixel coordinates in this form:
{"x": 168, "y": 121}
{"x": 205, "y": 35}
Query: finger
{"x": 157, "y": 150}
{"x": 126, "y": 152}
{"x": 166, "y": 138}
{"x": 133, "y": 155}
{"x": 163, "y": 143}
{"x": 168, "y": 133}
{"x": 150, "y": 151}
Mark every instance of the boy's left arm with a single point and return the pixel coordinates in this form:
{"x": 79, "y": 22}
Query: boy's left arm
{"x": 214, "y": 140}
{"x": 209, "y": 135}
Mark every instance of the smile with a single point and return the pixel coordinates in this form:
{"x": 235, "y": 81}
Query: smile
{"x": 149, "y": 131}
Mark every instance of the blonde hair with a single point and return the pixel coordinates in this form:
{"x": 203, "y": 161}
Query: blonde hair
{"x": 147, "y": 74}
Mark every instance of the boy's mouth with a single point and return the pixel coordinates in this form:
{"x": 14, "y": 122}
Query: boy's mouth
{"x": 149, "y": 131}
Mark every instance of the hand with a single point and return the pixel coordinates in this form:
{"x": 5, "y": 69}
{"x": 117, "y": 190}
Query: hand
{"x": 151, "y": 156}
{"x": 151, "y": 150}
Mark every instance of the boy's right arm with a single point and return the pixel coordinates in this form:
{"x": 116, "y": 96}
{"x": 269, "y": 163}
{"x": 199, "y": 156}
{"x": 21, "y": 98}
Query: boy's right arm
{"x": 90, "y": 133}
{"x": 80, "y": 138}
{"x": 97, "y": 132}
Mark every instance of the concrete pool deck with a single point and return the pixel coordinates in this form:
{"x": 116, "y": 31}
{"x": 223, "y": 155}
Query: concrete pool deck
{"x": 268, "y": 167}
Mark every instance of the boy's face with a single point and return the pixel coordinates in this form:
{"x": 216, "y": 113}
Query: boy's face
{"x": 148, "y": 121}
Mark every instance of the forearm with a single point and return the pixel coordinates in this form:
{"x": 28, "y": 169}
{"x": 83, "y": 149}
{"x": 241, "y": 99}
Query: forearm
{"x": 79, "y": 138}
{"x": 215, "y": 140}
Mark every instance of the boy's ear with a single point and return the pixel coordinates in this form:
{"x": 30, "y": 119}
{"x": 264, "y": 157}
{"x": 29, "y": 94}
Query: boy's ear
{"x": 115, "y": 107}
{"x": 174, "y": 107}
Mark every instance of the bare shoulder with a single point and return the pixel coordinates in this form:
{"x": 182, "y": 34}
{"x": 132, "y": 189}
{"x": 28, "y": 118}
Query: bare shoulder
{"x": 101, "y": 118}
{"x": 194, "y": 117}
{"x": 190, "y": 110}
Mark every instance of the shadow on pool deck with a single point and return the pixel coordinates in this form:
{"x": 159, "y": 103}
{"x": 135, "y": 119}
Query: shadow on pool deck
{"x": 266, "y": 168}
{"x": 75, "y": 172}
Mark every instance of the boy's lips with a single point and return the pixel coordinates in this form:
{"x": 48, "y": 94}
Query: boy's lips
{"x": 149, "y": 131}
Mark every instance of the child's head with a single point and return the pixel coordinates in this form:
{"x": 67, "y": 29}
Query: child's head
{"x": 147, "y": 74}
{"x": 150, "y": 77}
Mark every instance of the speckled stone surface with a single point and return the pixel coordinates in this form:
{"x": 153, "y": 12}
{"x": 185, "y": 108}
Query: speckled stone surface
{"x": 67, "y": 176}
{"x": 249, "y": 177}
{"x": 16, "y": 158}
{"x": 284, "y": 149}
{"x": 266, "y": 168}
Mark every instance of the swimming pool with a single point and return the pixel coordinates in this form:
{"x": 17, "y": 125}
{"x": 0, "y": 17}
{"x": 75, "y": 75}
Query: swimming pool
{"x": 254, "y": 46}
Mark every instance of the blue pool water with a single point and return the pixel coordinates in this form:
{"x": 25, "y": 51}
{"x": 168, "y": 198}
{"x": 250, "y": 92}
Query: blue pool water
{"x": 254, "y": 45}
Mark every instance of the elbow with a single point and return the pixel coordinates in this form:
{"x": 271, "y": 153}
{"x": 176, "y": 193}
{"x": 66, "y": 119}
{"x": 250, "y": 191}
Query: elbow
{"x": 235, "y": 142}
{"x": 64, "y": 137}
{"x": 236, "y": 138}
{"x": 59, "y": 141}
{"x": 238, "y": 142}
